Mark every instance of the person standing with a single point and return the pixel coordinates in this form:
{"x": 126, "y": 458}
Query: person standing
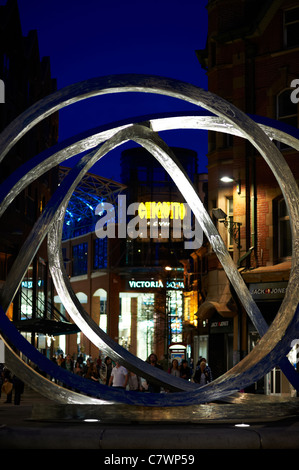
{"x": 106, "y": 369}
{"x": 68, "y": 363}
{"x": 185, "y": 371}
{"x": 119, "y": 376}
{"x": 203, "y": 374}
{"x": 153, "y": 361}
{"x": 18, "y": 386}
{"x": 134, "y": 382}
{"x": 174, "y": 369}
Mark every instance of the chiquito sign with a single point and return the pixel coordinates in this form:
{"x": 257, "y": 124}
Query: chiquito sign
{"x": 158, "y": 220}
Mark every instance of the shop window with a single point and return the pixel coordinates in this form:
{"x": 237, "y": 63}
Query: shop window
{"x": 291, "y": 27}
{"x": 79, "y": 259}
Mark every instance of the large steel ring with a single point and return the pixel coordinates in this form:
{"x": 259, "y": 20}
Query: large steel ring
{"x": 275, "y": 342}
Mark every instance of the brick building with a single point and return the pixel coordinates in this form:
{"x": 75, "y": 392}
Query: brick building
{"x": 251, "y": 58}
{"x": 27, "y": 78}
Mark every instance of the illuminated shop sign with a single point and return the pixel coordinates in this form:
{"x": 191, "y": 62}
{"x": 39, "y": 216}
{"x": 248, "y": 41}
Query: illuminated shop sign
{"x": 162, "y": 210}
{"x": 268, "y": 290}
{"x": 156, "y": 284}
{"x": 29, "y": 284}
{"x": 216, "y": 324}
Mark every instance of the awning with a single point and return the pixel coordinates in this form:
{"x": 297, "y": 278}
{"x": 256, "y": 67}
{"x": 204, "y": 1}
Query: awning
{"x": 47, "y": 327}
{"x": 209, "y": 307}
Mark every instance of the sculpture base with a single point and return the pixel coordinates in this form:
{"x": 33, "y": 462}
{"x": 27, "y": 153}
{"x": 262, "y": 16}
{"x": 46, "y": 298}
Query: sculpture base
{"x": 239, "y": 408}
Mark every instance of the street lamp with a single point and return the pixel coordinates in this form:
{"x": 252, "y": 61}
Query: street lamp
{"x": 229, "y": 179}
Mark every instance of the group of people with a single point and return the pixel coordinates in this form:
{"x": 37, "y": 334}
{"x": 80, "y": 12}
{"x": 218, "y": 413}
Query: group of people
{"x": 105, "y": 371}
{"x": 201, "y": 376}
{"x": 114, "y": 374}
{"x": 110, "y": 373}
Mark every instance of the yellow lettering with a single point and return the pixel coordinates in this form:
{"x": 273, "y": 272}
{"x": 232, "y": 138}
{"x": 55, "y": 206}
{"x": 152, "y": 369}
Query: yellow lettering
{"x": 142, "y": 210}
{"x": 161, "y": 210}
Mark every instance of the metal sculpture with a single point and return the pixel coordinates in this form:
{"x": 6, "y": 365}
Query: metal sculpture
{"x": 275, "y": 341}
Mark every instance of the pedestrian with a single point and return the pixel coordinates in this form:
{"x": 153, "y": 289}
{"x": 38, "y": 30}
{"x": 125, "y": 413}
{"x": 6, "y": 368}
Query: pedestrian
{"x": 86, "y": 367}
{"x": 78, "y": 369}
{"x": 174, "y": 368}
{"x": 203, "y": 374}
{"x": 119, "y": 376}
{"x": 134, "y": 382}
{"x": 185, "y": 371}
{"x": 92, "y": 372}
{"x": 153, "y": 361}
{"x": 60, "y": 359}
{"x": 7, "y": 385}
{"x": 105, "y": 371}
{"x": 99, "y": 362}
{"x": 18, "y": 386}
{"x": 68, "y": 363}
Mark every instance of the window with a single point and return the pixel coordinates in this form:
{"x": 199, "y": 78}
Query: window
{"x": 100, "y": 253}
{"x": 284, "y": 231}
{"x": 230, "y": 218}
{"x": 79, "y": 259}
{"x": 282, "y": 239}
{"x": 286, "y": 111}
{"x": 291, "y": 27}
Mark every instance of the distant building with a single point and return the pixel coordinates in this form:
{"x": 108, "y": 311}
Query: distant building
{"x": 251, "y": 59}
{"x": 132, "y": 286}
{"x": 27, "y": 79}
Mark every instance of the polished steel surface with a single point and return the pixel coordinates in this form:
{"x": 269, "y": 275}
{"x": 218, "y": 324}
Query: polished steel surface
{"x": 275, "y": 342}
{"x": 247, "y": 409}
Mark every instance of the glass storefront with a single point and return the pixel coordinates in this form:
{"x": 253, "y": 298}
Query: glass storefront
{"x": 143, "y": 326}
{"x": 141, "y": 316}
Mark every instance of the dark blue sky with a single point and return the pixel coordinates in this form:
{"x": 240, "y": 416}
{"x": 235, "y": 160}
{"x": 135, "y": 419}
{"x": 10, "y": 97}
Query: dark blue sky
{"x": 90, "y": 38}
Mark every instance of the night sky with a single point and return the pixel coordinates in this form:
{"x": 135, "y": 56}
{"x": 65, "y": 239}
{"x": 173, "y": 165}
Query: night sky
{"x": 97, "y": 38}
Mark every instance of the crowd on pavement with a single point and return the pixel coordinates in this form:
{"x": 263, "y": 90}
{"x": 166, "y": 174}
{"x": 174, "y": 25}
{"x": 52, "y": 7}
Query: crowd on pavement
{"x": 110, "y": 373}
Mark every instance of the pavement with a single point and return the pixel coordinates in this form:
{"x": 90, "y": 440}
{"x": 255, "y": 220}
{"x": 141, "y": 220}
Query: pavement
{"x": 21, "y": 428}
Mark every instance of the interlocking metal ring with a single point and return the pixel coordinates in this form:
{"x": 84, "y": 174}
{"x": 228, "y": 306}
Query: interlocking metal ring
{"x": 219, "y": 115}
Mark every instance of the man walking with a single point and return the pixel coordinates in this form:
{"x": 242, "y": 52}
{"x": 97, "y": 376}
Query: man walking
{"x": 119, "y": 376}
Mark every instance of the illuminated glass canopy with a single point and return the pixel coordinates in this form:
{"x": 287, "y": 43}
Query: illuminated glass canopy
{"x": 91, "y": 191}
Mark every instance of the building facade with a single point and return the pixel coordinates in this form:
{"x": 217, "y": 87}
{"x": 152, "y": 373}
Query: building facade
{"x": 130, "y": 275}
{"x": 27, "y": 78}
{"x": 251, "y": 59}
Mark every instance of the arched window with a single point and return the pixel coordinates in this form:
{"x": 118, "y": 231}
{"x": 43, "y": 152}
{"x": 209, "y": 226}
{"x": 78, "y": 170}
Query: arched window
{"x": 102, "y": 305}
